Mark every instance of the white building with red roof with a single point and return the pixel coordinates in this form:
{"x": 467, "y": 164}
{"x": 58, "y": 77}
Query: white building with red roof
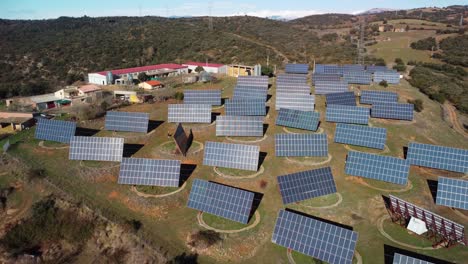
{"x": 208, "y": 67}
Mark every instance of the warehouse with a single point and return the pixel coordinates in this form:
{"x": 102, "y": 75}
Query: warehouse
{"x": 208, "y": 67}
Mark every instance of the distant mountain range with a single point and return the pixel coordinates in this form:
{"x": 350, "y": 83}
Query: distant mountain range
{"x": 377, "y": 11}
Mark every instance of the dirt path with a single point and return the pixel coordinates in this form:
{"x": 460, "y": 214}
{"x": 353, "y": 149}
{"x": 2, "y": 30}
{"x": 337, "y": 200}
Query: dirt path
{"x": 290, "y": 257}
{"x": 454, "y": 119}
{"x": 279, "y": 53}
{"x": 385, "y": 150}
{"x": 146, "y": 195}
{"x": 215, "y": 169}
{"x": 41, "y": 144}
{"x": 310, "y": 163}
{"x": 340, "y": 200}
{"x": 408, "y": 187}
{"x": 247, "y": 141}
{"x": 319, "y": 131}
{"x": 202, "y": 223}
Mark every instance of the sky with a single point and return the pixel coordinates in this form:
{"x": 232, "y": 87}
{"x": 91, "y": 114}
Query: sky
{"x": 45, "y": 9}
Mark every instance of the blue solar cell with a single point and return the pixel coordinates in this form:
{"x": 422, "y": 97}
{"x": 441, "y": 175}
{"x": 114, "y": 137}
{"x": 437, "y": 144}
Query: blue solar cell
{"x": 303, "y": 102}
{"x": 297, "y": 68}
{"x": 245, "y": 107}
{"x": 327, "y": 87}
{"x": 293, "y": 88}
{"x": 378, "y": 97}
{"x": 452, "y": 193}
{"x": 250, "y": 92}
{"x": 402, "y": 259}
{"x": 298, "y": 119}
{"x": 235, "y": 156}
{"x": 346, "y": 98}
{"x": 438, "y": 157}
{"x": 391, "y": 77}
{"x": 358, "y": 77}
{"x": 55, "y": 130}
{"x": 393, "y": 111}
{"x": 137, "y": 171}
{"x": 127, "y": 121}
{"x": 210, "y": 97}
{"x": 189, "y": 113}
{"x": 301, "y": 145}
{"x": 325, "y": 77}
{"x": 371, "y": 137}
{"x": 96, "y": 148}
{"x": 347, "y": 114}
{"x": 373, "y": 69}
{"x": 239, "y": 126}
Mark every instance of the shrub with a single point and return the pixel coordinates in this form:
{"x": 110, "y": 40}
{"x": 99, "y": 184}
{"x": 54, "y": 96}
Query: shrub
{"x": 424, "y": 44}
{"x": 199, "y": 69}
{"x": 383, "y": 83}
{"x": 399, "y": 67}
{"x": 418, "y": 104}
{"x": 179, "y": 96}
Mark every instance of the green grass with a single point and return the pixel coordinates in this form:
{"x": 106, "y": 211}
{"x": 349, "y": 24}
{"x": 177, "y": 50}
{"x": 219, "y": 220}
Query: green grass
{"x": 402, "y": 234}
{"x": 156, "y": 190}
{"x": 222, "y": 223}
{"x": 54, "y": 144}
{"x": 321, "y": 201}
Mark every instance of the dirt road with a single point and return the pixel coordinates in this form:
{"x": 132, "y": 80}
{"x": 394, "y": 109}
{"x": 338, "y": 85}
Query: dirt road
{"x": 452, "y": 114}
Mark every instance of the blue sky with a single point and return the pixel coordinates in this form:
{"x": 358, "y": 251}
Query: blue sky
{"x": 40, "y": 9}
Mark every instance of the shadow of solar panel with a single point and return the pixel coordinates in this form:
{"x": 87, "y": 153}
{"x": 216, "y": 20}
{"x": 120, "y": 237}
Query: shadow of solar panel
{"x": 127, "y": 121}
{"x": 55, "y": 130}
{"x": 314, "y": 238}
{"x": 438, "y": 157}
{"x": 298, "y": 119}
{"x": 208, "y": 97}
{"x": 357, "y": 77}
{"x": 402, "y": 259}
{"x": 297, "y": 68}
{"x": 391, "y": 77}
{"x": 234, "y": 156}
{"x": 301, "y": 145}
{"x": 393, "y": 111}
{"x": 239, "y": 126}
{"x": 303, "y": 102}
{"x": 347, "y": 114}
{"x": 245, "y": 107}
{"x": 220, "y": 200}
{"x": 293, "y": 88}
{"x": 251, "y": 92}
{"x": 434, "y": 222}
{"x": 371, "y": 137}
{"x": 150, "y": 172}
{"x": 181, "y": 139}
{"x": 452, "y": 193}
{"x": 96, "y": 148}
{"x": 345, "y": 98}
{"x": 326, "y": 87}
{"x": 378, "y": 97}
{"x": 306, "y": 184}
{"x": 377, "y": 167}
{"x": 189, "y": 113}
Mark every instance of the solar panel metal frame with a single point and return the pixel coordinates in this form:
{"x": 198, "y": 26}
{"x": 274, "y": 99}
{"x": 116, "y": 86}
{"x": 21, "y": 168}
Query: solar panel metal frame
{"x": 150, "y": 172}
{"x": 347, "y": 114}
{"x": 245, "y": 107}
{"x": 364, "y": 136}
{"x": 239, "y": 126}
{"x": 301, "y": 145}
{"x": 308, "y": 120}
{"x": 326, "y": 87}
{"x": 221, "y": 200}
{"x": 438, "y": 157}
{"x": 395, "y": 111}
{"x": 127, "y": 121}
{"x": 318, "y": 239}
{"x": 345, "y": 98}
{"x": 211, "y": 97}
{"x": 96, "y": 148}
{"x": 378, "y": 97}
{"x": 304, "y": 102}
{"x": 434, "y": 222}
{"x": 297, "y": 68}
{"x": 403, "y": 259}
{"x": 377, "y": 167}
{"x": 189, "y": 113}
{"x": 391, "y": 77}
{"x": 452, "y": 193}
{"x": 305, "y": 185}
{"x": 234, "y": 156}
{"x": 181, "y": 140}
{"x": 55, "y": 130}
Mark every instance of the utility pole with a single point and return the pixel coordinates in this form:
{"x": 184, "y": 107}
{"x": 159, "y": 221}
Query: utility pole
{"x": 461, "y": 20}
{"x": 268, "y": 58}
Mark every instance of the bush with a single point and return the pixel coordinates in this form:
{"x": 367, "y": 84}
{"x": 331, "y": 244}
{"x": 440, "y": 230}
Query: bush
{"x": 399, "y": 67}
{"x": 143, "y": 77}
{"x": 424, "y": 44}
{"x": 179, "y": 96}
{"x": 267, "y": 71}
{"x": 418, "y": 104}
{"x": 399, "y": 61}
{"x": 383, "y": 83}
{"x": 199, "y": 69}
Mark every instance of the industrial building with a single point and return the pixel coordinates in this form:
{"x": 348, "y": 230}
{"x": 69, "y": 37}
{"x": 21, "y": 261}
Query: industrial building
{"x": 207, "y": 67}
{"x": 236, "y": 70}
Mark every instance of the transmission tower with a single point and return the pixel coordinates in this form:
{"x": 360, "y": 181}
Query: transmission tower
{"x": 461, "y": 20}
{"x": 210, "y": 18}
{"x": 360, "y": 43}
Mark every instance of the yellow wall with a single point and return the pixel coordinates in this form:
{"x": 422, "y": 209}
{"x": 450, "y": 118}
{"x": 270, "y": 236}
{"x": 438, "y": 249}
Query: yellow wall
{"x": 234, "y": 71}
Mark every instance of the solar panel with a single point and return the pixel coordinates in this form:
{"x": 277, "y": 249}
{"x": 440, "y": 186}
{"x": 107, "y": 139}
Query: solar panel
{"x": 434, "y": 222}
{"x": 325, "y": 77}
{"x": 377, "y": 167}
{"x": 209, "y": 97}
{"x": 189, "y": 113}
{"x": 291, "y": 88}
{"x": 346, "y": 98}
{"x": 373, "y": 69}
{"x": 378, "y": 97}
{"x": 371, "y": 137}
{"x": 181, "y": 139}
{"x": 297, "y": 68}
{"x": 235, "y": 156}
{"x": 304, "y": 102}
{"x": 306, "y": 184}
{"x": 298, "y": 119}
{"x": 337, "y": 69}
{"x": 393, "y": 111}
{"x": 151, "y": 172}
{"x": 239, "y": 126}
{"x": 301, "y": 145}
{"x": 250, "y": 92}
{"x": 438, "y": 157}
{"x": 96, "y": 148}
{"x": 452, "y": 193}
{"x": 391, "y": 77}
{"x": 314, "y": 238}
{"x": 347, "y": 114}
{"x": 245, "y": 107}
{"x": 55, "y": 130}
{"x": 220, "y": 200}
{"x": 357, "y": 77}
{"x": 127, "y": 121}
{"x": 402, "y": 259}
{"x": 326, "y": 87}
{"x": 291, "y": 78}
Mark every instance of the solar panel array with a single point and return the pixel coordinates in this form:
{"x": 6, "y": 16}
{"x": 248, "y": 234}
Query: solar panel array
{"x": 377, "y": 167}
{"x": 371, "y": 137}
{"x": 326, "y": 87}
{"x": 377, "y": 97}
{"x": 307, "y": 120}
{"x": 127, "y": 121}
{"x": 209, "y": 97}
{"x": 434, "y": 222}
{"x": 301, "y": 145}
{"x": 403, "y": 259}
{"x": 291, "y": 78}
{"x": 293, "y": 88}
{"x": 251, "y": 92}
{"x": 452, "y": 193}
{"x": 347, "y": 114}
{"x": 245, "y": 107}
{"x": 306, "y": 184}
{"x": 96, "y": 148}
{"x": 304, "y": 102}
{"x": 297, "y": 68}
{"x": 392, "y": 77}
{"x": 55, "y": 130}
{"x": 393, "y": 111}
{"x": 325, "y": 77}
{"x": 358, "y": 77}
{"x": 346, "y": 98}
{"x": 224, "y": 201}
{"x": 181, "y": 139}
{"x": 438, "y": 157}
{"x": 151, "y": 172}
{"x": 373, "y": 69}
{"x": 314, "y": 238}
{"x": 189, "y": 113}
{"x": 235, "y": 156}
{"x": 239, "y": 126}
{"x": 337, "y": 69}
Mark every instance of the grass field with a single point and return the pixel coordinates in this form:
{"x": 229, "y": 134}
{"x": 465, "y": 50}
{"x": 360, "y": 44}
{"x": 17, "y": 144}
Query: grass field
{"x": 167, "y": 222}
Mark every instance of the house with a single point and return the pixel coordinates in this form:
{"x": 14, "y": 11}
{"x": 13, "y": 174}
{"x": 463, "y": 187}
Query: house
{"x": 150, "y": 85}
{"x": 91, "y": 92}
{"x": 208, "y": 67}
{"x": 39, "y": 102}
{"x": 67, "y": 93}
{"x": 385, "y": 28}
{"x": 400, "y": 29}
{"x": 126, "y": 76}
{"x": 236, "y": 70}
{"x": 18, "y": 121}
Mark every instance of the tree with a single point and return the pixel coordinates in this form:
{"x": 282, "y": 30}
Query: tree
{"x": 399, "y": 61}
{"x": 199, "y": 69}
{"x": 407, "y": 28}
{"x": 179, "y": 96}
{"x": 267, "y": 70}
{"x": 143, "y": 77}
{"x": 418, "y": 104}
{"x": 383, "y": 83}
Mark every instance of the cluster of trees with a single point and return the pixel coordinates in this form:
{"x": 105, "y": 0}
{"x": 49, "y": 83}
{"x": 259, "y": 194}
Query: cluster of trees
{"x": 425, "y": 44}
{"x": 449, "y": 15}
{"x": 455, "y": 50}
{"x": 400, "y": 65}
